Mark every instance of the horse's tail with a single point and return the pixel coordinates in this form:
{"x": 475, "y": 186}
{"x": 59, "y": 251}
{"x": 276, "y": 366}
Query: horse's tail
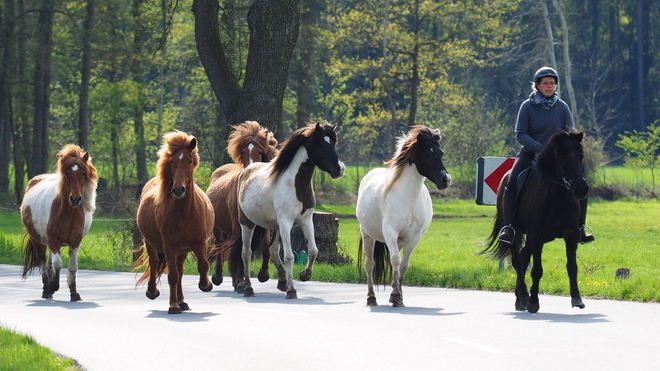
{"x": 232, "y": 250}
{"x": 494, "y": 248}
{"x": 34, "y": 255}
{"x": 143, "y": 261}
{"x": 382, "y": 266}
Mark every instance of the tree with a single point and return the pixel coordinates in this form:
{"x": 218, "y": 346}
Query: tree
{"x": 83, "y": 109}
{"x": 642, "y": 148}
{"x": 273, "y": 34}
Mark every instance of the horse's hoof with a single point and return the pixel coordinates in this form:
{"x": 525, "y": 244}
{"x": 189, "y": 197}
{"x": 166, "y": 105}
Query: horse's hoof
{"x": 54, "y": 286}
{"x": 281, "y": 285}
{"x": 75, "y": 297}
{"x": 184, "y": 306}
{"x": 533, "y": 307}
{"x": 396, "y": 300}
{"x": 174, "y": 311}
{"x": 47, "y": 295}
{"x": 577, "y": 302}
{"x": 217, "y": 279}
{"x": 154, "y": 295}
{"x": 263, "y": 275}
{"x": 249, "y": 292}
{"x": 293, "y": 294}
{"x": 371, "y": 302}
{"x": 240, "y": 288}
{"x": 305, "y": 274}
{"x": 206, "y": 288}
{"x": 520, "y": 307}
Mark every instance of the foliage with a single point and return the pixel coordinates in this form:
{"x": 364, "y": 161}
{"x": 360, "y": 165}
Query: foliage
{"x": 642, "y": 148}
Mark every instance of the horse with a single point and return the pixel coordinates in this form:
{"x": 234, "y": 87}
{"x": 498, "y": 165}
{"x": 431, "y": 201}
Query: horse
{"x": 175, "y": 217}
{"x": 394, "y": 208}
{"x": 548, "y": 208}
{"x": 56, "y": 211}
{"x": 276, "y": 195}
{"x": 248, "y": 142}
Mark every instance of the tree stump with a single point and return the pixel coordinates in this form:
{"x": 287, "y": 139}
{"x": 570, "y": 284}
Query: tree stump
{"x": 326, "y": 235}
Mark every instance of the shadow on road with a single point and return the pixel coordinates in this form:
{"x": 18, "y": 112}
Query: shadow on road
{"x": 187, "y": 316}
{"x": 561, "y": 318}
{"x": 64, "y": 304}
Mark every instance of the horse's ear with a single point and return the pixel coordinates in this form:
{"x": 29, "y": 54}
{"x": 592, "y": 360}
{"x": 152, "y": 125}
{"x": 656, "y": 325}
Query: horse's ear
{"x": 85, "y": 157}
{"x": 334, "y": 127}
{"x": 579, "y": 136}
{"x": 192, "y": 144}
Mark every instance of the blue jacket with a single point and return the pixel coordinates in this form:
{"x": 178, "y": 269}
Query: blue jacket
{"x": 535, "y": 125}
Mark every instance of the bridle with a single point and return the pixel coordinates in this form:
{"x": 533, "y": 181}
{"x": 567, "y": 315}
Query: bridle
{"x": 565, "y": 181}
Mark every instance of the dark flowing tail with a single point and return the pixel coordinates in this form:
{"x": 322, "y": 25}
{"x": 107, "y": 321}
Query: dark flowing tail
{"x": 143, "y": 261}
{"x": 234, "y": 250}
{"x": 34, "y": 255}
{"x": 382, "y": 266}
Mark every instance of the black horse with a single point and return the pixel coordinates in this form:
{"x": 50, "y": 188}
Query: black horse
{"x": 548, "y": 208}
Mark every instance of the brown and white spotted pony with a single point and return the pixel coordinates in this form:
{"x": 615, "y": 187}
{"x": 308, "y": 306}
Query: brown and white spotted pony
{"x": 394, "y": 208}
{"x": 248, "y": 142}
{"x": 278, "y": 194}
{"x": 57, "y": 211}
{"x": 175, "y": 217}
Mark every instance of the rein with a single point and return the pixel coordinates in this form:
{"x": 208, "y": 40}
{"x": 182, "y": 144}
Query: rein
{"x": 565, "y": 182}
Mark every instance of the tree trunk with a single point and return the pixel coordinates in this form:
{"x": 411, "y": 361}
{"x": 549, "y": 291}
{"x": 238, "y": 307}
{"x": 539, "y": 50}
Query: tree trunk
{"x": 83, "y": 110}
{"x": 551, "y": 38}
{"x": 6, "y": 69}
{"x": 138, "y": 114}
{"x": 273, "y": 34}
{"x": 326, "y": 235}
{"x": 22, "y": 103}
{"x": 39, "y": 160}
{"x": 641, "y": 119}
{"x": 304, "y": 77}
{"x": 567, "y": 59}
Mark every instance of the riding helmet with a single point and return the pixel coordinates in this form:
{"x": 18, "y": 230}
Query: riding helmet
{"x": 544, "y": 72}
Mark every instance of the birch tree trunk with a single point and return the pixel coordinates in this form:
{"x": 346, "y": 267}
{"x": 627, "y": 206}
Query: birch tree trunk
{"x": 567, "y": 59}
{"x": 551, "y": 38}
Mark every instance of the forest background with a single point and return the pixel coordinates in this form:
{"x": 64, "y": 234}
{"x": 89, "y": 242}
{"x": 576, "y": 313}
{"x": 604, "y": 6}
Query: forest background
{"x": 114, "y": 75}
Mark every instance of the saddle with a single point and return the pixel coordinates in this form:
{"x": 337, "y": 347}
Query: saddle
{"x": 522, "y": 178}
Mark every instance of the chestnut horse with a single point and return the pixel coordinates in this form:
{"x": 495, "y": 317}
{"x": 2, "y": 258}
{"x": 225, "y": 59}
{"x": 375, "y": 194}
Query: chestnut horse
{"x": 56, "y": 211}
{"x": 175, "y": 217}
{"x": 274, "y": 195}
{"x": 248, "y": 142}
{"x": 394, "y": 208}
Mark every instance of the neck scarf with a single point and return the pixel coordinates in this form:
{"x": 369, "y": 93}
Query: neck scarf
{"x": 538, "y": 99}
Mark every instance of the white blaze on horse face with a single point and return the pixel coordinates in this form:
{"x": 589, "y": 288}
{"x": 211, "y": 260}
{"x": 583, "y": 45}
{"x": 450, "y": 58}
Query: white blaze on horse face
{"x": 327, "y": 139}
{"x": 250, "y": 148}
{"x": 74, "y": 167}
{"x": 181, "y": 156}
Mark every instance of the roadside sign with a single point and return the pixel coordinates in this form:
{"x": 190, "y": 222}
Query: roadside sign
{"x": 490, "y": 171}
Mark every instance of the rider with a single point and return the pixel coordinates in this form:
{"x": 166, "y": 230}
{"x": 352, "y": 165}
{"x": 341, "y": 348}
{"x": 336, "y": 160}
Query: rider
{"x": 539, "y": 117}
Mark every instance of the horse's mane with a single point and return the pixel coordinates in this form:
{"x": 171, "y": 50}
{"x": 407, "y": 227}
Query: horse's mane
{"x": 250, "y": 132}
{"x": 172, "y": 142}
{"x": 71, "y": 155}
{"x": 408, "y": 150}
{"x": 297, "y": 139}
{"x": 558, "y": 143}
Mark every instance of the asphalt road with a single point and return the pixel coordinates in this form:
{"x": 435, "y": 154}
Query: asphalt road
{"x": 329, "y": 327}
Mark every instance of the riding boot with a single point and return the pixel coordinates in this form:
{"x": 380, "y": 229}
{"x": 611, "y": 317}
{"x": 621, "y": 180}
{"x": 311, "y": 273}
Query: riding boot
{"x": 584, "y": 236}
{"x": 507, "y": 233}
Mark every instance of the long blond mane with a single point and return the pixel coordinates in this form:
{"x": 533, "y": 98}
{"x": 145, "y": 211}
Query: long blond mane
{"x": 251, "y": 132}
{"x": 172, "y": 142}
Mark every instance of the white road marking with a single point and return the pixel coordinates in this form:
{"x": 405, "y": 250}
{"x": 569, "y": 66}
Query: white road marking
{"x": 485, "y": 348}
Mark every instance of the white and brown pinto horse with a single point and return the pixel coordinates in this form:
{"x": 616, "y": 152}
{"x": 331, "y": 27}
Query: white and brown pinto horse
{"x": 57, "y": 211}
{"x": 248, "y": 142}
{"x": 278, "y": 194}
{"x": 175, "y": 217}
{"x": 394, "y": 208}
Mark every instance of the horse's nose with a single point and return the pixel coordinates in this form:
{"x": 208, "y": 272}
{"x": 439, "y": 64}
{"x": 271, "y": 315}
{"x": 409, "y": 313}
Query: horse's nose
{"x": 340, "y": 170}
{"x": 178, "y": 193}
{"x": 75, "y": 200}
{"x": 581, "y": 189}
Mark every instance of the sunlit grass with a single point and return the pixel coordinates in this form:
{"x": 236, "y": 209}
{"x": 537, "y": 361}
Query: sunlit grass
{"x": 21, "y": 352}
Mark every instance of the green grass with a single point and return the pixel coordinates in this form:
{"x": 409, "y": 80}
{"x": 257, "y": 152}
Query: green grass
{"x": 21, "y": 352}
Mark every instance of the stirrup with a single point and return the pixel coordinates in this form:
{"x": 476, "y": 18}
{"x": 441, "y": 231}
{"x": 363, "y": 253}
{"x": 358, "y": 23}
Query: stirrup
{"x": 502, "y": 232}
{"x": 587, "y": 237}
